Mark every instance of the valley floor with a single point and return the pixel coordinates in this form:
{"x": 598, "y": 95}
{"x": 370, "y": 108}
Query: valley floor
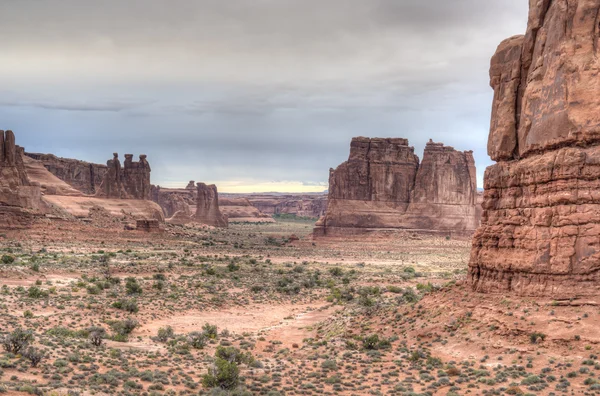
{"x": 275, "y": 316}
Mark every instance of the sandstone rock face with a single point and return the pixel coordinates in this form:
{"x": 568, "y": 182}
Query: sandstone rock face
{"x": 301, "y": 205}
{"x": 241, "y": 210}
{"x": 19, "y": 197}
{"x": 83, "y": 176}
{"x": 151, "y": 226}
{"x": 173, "y": 200}
{"x": 136, "y": 177}
{"x": 207, "y": 206}
{"x": 540, "y": 227}
{"x": 132, "y": 181}
{"x": 383, "y": 186}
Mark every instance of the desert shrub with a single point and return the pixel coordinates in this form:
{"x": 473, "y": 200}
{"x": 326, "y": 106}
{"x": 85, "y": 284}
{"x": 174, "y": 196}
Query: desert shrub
{"x": 96, "y": 335}
{"x": 371, "y": 342}
{"x": 36, "y": 292}
{"x": 124, "y": 327}
{"x": 93, "y": 289}
{"x": 425, "y": 287}
{"x": 395, "y": 289}
{"x": 210, "y": 331}
{"x": 165, "y": 333}
{"x": 132, "y": 286}
{"x": 7, "y": 259}
{"x": 233, "y": 355}
{"x": 34, "y": 356}
{"x": 197, "y": 339}
{"x": 17, "y": 341}
{"x": 28, "y": 314}
{"x": 536, "y": 336}
{"x": 158, "y": 285}
{"x": 409, "y": 296}
{"x": 159, "y": 276}
{"x": 129, "y": 305}
{"x": 223, "y": 374}
{"x": 336, "y": 271}
{"x": 329, "y": 365}
{"x": 232, "y": 266}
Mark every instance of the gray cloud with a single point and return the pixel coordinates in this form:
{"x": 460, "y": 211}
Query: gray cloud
{"x": 252, "y": 90}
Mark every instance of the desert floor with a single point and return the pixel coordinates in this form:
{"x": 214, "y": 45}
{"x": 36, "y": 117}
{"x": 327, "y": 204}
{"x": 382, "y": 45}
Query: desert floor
{"x": 369, "y": 316}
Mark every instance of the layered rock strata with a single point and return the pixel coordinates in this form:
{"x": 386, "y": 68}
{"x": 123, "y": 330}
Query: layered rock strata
{"x": 19, "y": 197}
{"x": 130, "y": 181}
{"x": 300, "y": 205}
{"x": 241, "y": 210}
{"x": 541, "y": 221}
{"x": 383, "y": 186}
{"x": 82, "y": 176}
{"x": 207, "y": 206}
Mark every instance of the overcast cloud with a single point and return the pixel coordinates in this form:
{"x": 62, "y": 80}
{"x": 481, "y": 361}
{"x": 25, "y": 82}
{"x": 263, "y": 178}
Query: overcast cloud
{"x": 249, "y": 94}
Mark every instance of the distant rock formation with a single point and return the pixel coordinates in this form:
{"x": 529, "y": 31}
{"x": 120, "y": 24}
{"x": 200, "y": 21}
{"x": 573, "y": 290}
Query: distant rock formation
{"x": 151, "y": 226}
{"x": 173, "y": 200}
{"x": 240, "y": 209}
{"x": 132, "y": 181}
{"x": 136, "y": 177}
{"x": 300, "y": 205}
{"x": 191, "y": 185}
{"x": 18, "y": 196}
{"x": 207, "y": 206}
{"x": 382, "y": 186}
{"x": 541, "y": 224}
{"x": 83, "y": 176}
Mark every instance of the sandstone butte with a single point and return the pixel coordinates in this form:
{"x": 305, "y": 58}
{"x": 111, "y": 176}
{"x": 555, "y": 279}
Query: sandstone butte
{"x": 383, "y": 187}
{"x": 540, "y": 232}
{"x": 207, "y": 206}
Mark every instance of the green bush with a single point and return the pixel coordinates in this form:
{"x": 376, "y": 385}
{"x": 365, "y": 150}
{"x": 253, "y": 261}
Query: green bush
{"x": 36, "y": 292}
{"x": 223, "y": 374}
{"x": 197, "y": 339}
{"x": 6, "y": 259}
{"x": 126, "y": 305}
{"x": 132, "y": 286}
{"x": 210, "y": 331}
{"x": 164, "y": 334}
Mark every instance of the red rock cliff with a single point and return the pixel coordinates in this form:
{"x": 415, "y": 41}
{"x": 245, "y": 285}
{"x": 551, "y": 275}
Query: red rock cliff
{"x": 382, "y": 186}
{"x": 207, "y": 206}
{"x": 539, "y": 233}
{"x": 18, "y": 196}
{"x": 83, "y": 176}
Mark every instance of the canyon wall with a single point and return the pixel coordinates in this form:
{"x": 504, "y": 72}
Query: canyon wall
{"x": 83, "y": 176}
{"x": 383, "y": 186}
{"x": 541, "y": 221}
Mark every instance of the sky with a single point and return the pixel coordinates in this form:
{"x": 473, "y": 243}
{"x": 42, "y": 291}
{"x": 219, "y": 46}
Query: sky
{"x": 252, "y": 95}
